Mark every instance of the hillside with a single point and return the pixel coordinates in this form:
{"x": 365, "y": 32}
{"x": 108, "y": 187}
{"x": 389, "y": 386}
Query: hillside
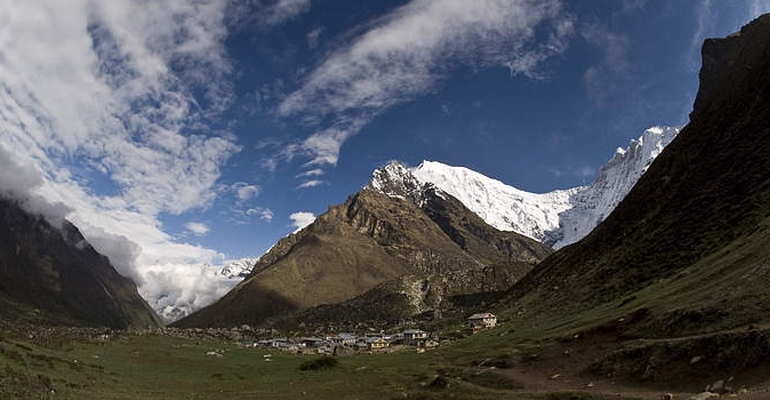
{"x": 686, "y": 254}
{"x": 52, "y": 275}
{"x": 374, "y": 237}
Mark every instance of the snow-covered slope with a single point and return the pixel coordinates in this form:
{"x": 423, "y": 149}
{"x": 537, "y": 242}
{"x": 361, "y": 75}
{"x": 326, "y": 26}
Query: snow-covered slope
{"x": 556, "y": 218}
{"x": 238, "y": 269}
{"x": 593, "y": 203}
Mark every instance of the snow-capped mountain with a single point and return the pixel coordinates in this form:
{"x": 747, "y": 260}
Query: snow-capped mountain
{"x": 557, "y": 218}
{"x": 593, "y": 203}
{"x": 238, "y": 269}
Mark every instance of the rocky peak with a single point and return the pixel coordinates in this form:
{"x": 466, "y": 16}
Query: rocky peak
{"x": 395, "y": 180}
{"x": 722, "y": 55}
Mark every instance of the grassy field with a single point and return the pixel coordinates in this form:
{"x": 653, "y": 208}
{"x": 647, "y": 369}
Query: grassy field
{"x": 161, "y": 367}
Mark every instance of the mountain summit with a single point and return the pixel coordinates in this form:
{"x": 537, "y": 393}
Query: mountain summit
{"x": 556, "y": 218}
{"x": 395, "y": 228}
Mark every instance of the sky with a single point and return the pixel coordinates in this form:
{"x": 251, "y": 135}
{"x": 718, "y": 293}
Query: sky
{"x": 180, "y": 134}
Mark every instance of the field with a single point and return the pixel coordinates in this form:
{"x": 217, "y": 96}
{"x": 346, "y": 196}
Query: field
{"x": 490, "y": 365}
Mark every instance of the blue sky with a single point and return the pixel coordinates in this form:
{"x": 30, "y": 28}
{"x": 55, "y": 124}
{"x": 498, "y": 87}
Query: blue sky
{"x": 179, "y": 133}
{"x": 625, "y": 66}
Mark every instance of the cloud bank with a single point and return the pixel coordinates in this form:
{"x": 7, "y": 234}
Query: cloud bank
{"x": 120, "y": 96}
{"x": 408, "y": 52}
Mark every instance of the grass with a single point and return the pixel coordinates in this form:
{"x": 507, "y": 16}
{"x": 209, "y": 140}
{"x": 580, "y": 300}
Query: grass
{"x": 160, "y": 367}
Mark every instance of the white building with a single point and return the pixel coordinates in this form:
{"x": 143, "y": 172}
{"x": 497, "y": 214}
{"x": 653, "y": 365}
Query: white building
{"x": 415, "y": 337}
{"x": 482, "y": 321}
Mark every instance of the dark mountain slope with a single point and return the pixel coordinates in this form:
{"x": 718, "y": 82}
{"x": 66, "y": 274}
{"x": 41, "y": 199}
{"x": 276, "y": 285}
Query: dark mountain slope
{"x": 53, "y": 276}
{"x": 690, "y": 244}
{"x": 370, "y": 239}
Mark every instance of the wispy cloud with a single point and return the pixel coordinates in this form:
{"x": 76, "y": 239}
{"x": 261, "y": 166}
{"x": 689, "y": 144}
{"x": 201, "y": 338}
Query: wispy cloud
{"x": 311, "y": 183}
{"x": 197, "y": 228}
{"x": 284, "y": 10}
{"x": 600, "y": 79}
{"x": 265, "y": 13}
{"x": 312, "y": 172}
{"x": 123, "y": 92}
{"x": 301, "y": 219}
{"x": 705, "y": 20}
{"x": 757, "y": 8}
{"x": 313, "y": 38}
{"x": 264, "y": 214}
{"x": 408, "y": 52}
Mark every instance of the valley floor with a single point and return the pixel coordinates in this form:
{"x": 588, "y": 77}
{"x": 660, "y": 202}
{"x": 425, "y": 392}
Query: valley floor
{"x": 124, "y": 365}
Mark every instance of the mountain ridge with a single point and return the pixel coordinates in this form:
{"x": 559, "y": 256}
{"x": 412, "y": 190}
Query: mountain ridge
{"x": 52, "y": 275}
{"x": 557, "y": 218}
{"x": 368, "y": 240}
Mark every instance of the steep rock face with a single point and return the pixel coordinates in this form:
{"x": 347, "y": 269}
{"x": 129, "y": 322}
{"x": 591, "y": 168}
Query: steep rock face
{"x": 689, "y": 243}
{"x": 53, "y": 276}
{"x": 556, "y": 218}
{"x": 370, "y": 239}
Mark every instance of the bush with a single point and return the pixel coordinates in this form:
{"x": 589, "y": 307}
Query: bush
{"x": 325, "y": 362}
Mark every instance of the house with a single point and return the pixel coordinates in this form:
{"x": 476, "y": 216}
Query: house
{"x": 377, "y": 343}
{"x": 312, "y": 342}
{"x": 415, "y": 337}
{"x": 347, "y": 339}
{"x": 482, "y": 321}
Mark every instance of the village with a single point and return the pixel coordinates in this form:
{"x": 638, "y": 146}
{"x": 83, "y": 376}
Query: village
{"x": 345, "y": 342}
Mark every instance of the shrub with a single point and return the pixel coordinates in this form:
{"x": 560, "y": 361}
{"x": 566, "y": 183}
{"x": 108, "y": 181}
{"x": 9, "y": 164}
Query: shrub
{"x": 325, "y": 362}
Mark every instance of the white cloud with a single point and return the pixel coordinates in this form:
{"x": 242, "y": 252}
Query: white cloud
{"x": 301, "y": 219}
{"x": 197, "y": 228}
{"x": 265, "y": 214}
{"x": 244, "y": 191}
{"x": 126, "y": 92}
{"x": 312, "y": 172}
{"x": 311, "y": 183}
{"x": 284, "y": 10}
{"x": 409, "y": 51}
{"x": 265, "y": 13}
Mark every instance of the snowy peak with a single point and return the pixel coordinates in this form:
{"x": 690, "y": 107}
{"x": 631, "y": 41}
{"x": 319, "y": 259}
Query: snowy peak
{"x": 397, "y": 181}
{"x": 238, "y": 269}
{"x": 641, "y": 152}
{"x": 557, "y": 218}
{"x": 593, "y": 203}
{"x": 501, "y": 206}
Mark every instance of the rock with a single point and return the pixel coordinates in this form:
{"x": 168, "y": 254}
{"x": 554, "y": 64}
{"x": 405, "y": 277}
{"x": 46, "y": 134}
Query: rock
{"x": 441, "y": 383}
{"x": 717, "y": 387}
{"x": 704, "y": 396}
{"x": 214, "y": 354}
